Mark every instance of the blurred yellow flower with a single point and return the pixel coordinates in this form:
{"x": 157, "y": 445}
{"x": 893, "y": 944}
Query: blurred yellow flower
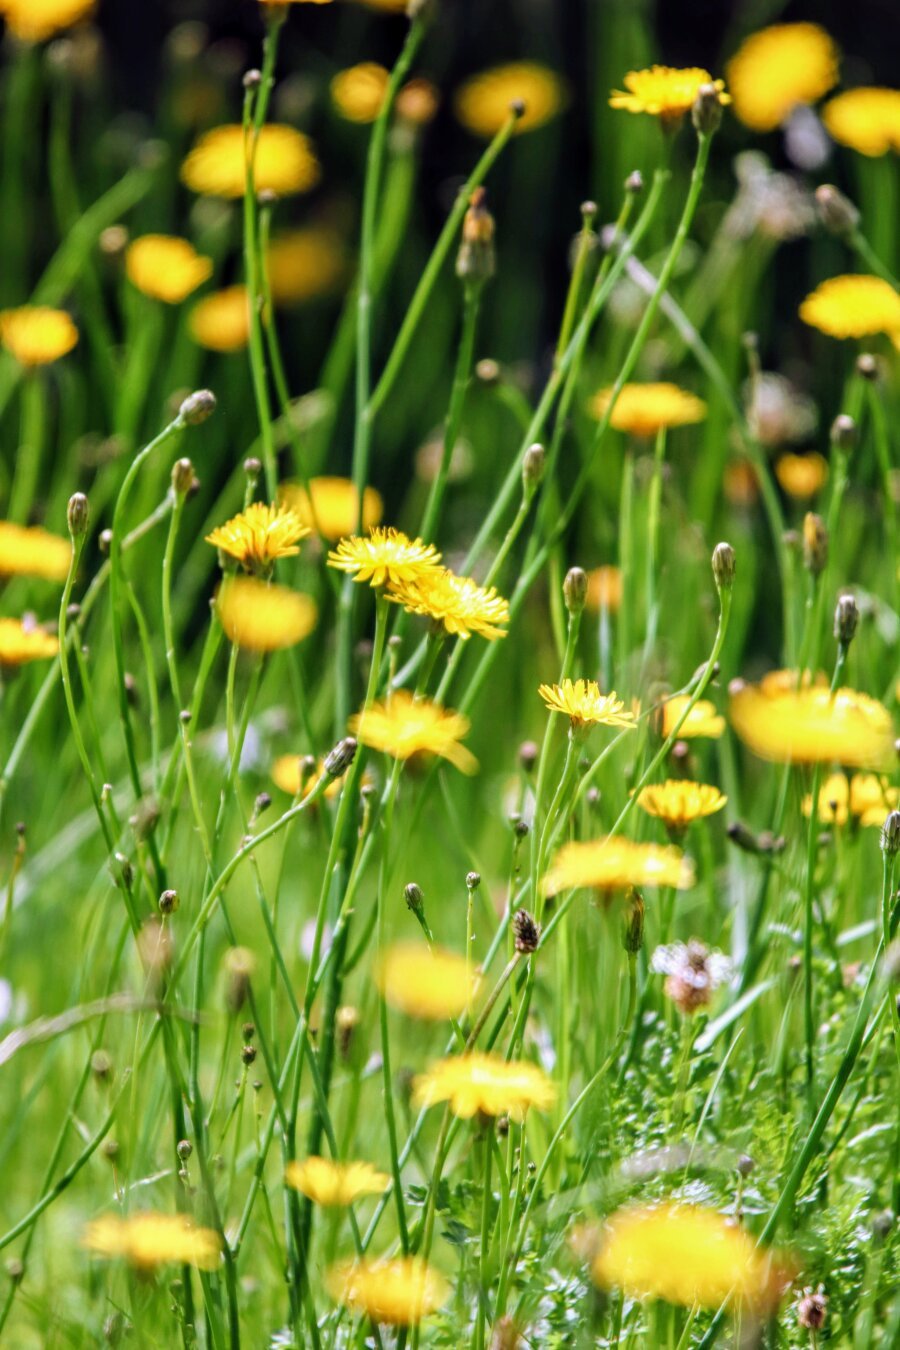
{"x": 260, "y": 535}
{"x": 304, "y": 264}
{"x": 644, "y": 409}
{"x": 396, "y": 1292}
{"x": 482, "y": 1084}
{"x": 358, "y": 92}
{"x": 458, "y": 604}
{"x": 165, "y": 268}
{"x": 36, "y": 335}
{"x": 664, "y": 92}
{"x": 865, "y": 797}
{"x": 426, "y": 982}
{"x": 221, "y": 321}
{"x": 33, "y": 552}
{"x": 264, "y": 618}
{"x": 285, "y": 162}
{"x": 384, "y": 557}
{"x": 584, "y": 705}
{"x": 335, "y": 1183}
{"x": 614, "y": 864}
{"x": 677, "y": 802}
{"x": 417, "y": 102}
{"x": 867, "y": 119}
{"x": 404, "y": 726}
{"x": 36, "y": 20}
{"x": 853, "y": 307}
{"x": 21, "y": 642}
{"x": 801, "y": 476}
{"x": 290, "y": 773}
{"x": 778, "y": 68}
{"x": 701, "y": 721}
{"x": 483, "y": 102}
{"x": 604, "y": 588}
{"x": 809, "y": 726}
{"x": 740, "y": 483}
{"x": 332, "y": 506}
{"x": 148, "y": 1240}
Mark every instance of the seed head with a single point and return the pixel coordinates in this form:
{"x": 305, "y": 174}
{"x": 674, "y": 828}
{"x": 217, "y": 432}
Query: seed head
{"x": 526, "y": 932}
{"x": 197, "y": 407}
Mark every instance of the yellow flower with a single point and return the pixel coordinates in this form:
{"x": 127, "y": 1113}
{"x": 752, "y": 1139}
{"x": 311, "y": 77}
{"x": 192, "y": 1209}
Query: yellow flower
{"x": 482, "y": 103}
{"x": 150, "y": 1240}
{"x": 426, "y": 982}
{"x": 853, "y": 307}
{"x": 260, "y": 535}
{"x": 702, "y": 720}
{"x": 335, "y": 1183}
{"x": 289, "y": 775}
{"x": 417, "y": 102}
{"x": 221, "y": 321}
{"x": 398, "y": 1292}
{"x": 801, "y": 476}
{"x": 664, "y": 92}
{"x": 165, "y": 268}
{"x": 459, "y": 604}
{"x": 678, "y": 802}
{"x": 584, "y": 705}
{"x": 614, "y": 864}
{"x": 644, "y": 409}
{"x": 33, "y": 552}
{"x": 740, "y": 483}
{"x": 481, "y": 1084}
{"x": 604, "y": 589}
{"x": 332, "y": 506}
{"x": 21, "y": 642}
{"x": 809, "y": 726}
{"x": 868, "y": 120}
{"x": 284, "y": 162}
{"x": 685, "y": 1254}
{"x": 36, "y": 20}
{"x": 405, "y": 726}
{"x": 37, "y": 335}
{"x": 778, "y": 68}
{"x": 304, "y": 264}
{"x": 264, "y": 618}
{"x": 865, "y": 797}
{"x": 385, "y": 557}
{"x": 359, "y": 91}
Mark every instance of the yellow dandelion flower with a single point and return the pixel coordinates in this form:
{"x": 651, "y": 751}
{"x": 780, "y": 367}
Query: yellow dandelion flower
{"x": 397, "y": 1292}
{"x": 290, "y": 774}
{"x": 777, "y": 682}
{"x": 384, "y": 557}
{"x": 801, "y": 476}
{"x": 418, "y": 101}
{"x": 332, "y": 506}
{"x": 260, "y": 535}
{"x": 604, "y": 589}
{"x": 645, "y": 409}
{"x": 221, "y": 321}
{"x": 779, "y": 68}
{"x": 37, "y": 20}
{"x": 264, "y": 618}
{"x": 481, "y": 1084}
{"x": 458, "y": 604}
{"x": 614, "y": 864}
{"x": 149, "y": 1240}
{"x": 866, "y": 797}
{"x": 21, "y": 642}
{"x": 304, "y": 264}
{"x": 810, "y": 726}
{"x": 284, "y": 163}
{"x": 335, "y": 1183}
{"x": 677, "y": 802}
{"x": 482, "y": 103}
{"x": 664, "y": 92}
{"x": 405, "y": 726}
{"x": 37, "y": 335}
{"x": 358, "y": 92}
{"x": 853, "y": 307}
{"x": 685, "y": 1254}
{"x": 701, "y": 721}
{"x": 426, "y": 982}
{"x": 868, "y": 120}
{"x": 33, "y": 552}
{"x": 584, "y": 705}
{"x": 165, "y": 268}
{"x": 834, "y": 801}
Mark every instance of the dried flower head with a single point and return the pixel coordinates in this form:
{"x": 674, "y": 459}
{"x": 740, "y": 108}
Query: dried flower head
{"x": 812, "y": 1309}
{"x": 778, "y": 412}
{"x": 645, "y": 409}
{"x": 604, "y": 590}
{"x": 149, "y": 1240}
{"x": 221, "y": 321}
{"x": 259, "y": 536}
{"x": 264, "y": 618}
{"x": 483, "y": 1084}
{"x": 584, "y": 705}
{"x": 404, "y": 727}
{"x": 327, "y": 1182}
{"x": 36, "y": 334}
{"x": 33, "y": 552}
{"x": 701, "y": 722}
{"x": 868, "y": 120}
{"x": 482, "y": 104}
{"x": 615, "y": 864}
{"x": 678, "y": 802}
{"x": 664, "y": 92}
{"x": 458, "y": 604}
{"x": 385, "y": 557}
{"x": 21, "y": 642}
{"x": 801, "y": 476}
{"x": 304, "y": 264}
{"x": 853, "y": 307}
{"x": 810, "y": 725}
{"x": 426, "y": 982}
{"x": 778, "y": 68}
{"x": 331, "y": 506}
{"x": 396, "y": 1292}
{"x": 693, "y": 971}
{"x": 37, "y": 20}
{"x": 284, "y": 162}
{"x": 165, "y": 267}
{"x": 358, "y": 92}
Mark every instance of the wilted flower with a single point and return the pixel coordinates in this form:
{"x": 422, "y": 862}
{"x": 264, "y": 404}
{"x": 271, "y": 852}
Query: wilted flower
{"x": 868, "y": 120}
{"x": 485, "y": 1084}
{"x": 149, "y": 1240}
{"x": 426, "y": 982}
{"x": 405, "y": 726}
{"x": 284, "y": 162}
{"x": 812, "y": 725}
{"x": 33, "y": 552}
{"x": 778, "y": 68}
{"x": 483, "y": 103}
{"x": 259, "y": 536}
{"x": 398, "y": 1292}
{"x": 327, "y": 1182}
{"x": 584, "y": 705}
{"x": 678, "y": 802}
{"x": 385, "y": 557}
{"x": 36, "y": 334}
{"x": 694, "y": 973}
{"x": 221, "y": 321}
{"x": 264, "y": 618}
{"x": 165, "y": 267}
{"x": 645, "y": 409}
{"x": 615, "y": 864}
{"x": 332, "y": 506}
{"x": 458, "y": 604}
{"x": 853, "y": 307}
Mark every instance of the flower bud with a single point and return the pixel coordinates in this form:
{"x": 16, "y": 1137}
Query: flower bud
{"x": 197, "y": 407}
{"x": 475, "y": 260}
{"x": 487, "y": 370}
{"x": 706, "y": 113}
{"x": 846, "y": 619}
{"x": 812, "y": 1310}
{"x": 346, "y": 1021}
{"x": 634, "y": 183}
{"x": 415, "y": 900}
{"x": 890, "y": 834}
{"x": 843, "y": 432}
{"x": 78, "y": 514}
{"x": 528, "y": 754}
{"x": 723, "y": 566}
{"x": 526, "y": 932}
{"x": 182, "y": 477}
{"x": 168, "y": 902}
{"x": 533, "y": 465}
{"x": 815, "y": 543}
{"x": 575, "y": 587}
{"x": 252, "y": 79}
{"x": 339, "y": 759}
{"x": 867, "y": 366}
{"x": 836, "y": 212}
{"x": 633, "y": 934}
{"x": 473, "y": 881}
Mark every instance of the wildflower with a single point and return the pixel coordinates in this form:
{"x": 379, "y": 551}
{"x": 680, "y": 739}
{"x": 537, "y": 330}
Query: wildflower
{"x": 405, "y": 726}
{"x": 303, "y": 264}
{"x": 458, "y": 604}
{"x": 37, "y": 335}
{"x": 584, "y": 705}
{"x": 284, "y": 162}
{"x": 701, "y": 721}
{"x": 645, "y": 409}
{"x": 475, "y": 260}
{"x": 21, "y": 642}
{"x": 779, "y": 68}
{"x": 485, "y": 1084}
{"x": 221, "y": 321}
{"x": 332, "y": 506}
{"x": 865, "y": 798}
{"x": 399, "y": 1292}
{"x": 149, "y": 1240}
{"x": 263, "y": 618}
{"x": 693, "y": 971}
{"x": 260, "y": 535}
{"x": 853, "y": 307}
{"x": 165, "y": 268}
{"x": 868, "y": 120}
{"x": 678, "y": 802}
{"x": 665, "y": 93}
{"x": 614, "y": 864}
{"x": 296, "y": 774}
{"x": 604, "y": 589}
{"x": 335, "y": 1183}
{"x": 417, "y": 102}
{"x": 483, "y": 102}
{"x": 37, "y": 20}
{"x": 801, "y": 476}
{"x": 812, "y": 1309}
{"x": 426, "y": 982}
{"x": 810, "y": 725}
{"x": 778, "y": 412}
{"x": 33, "y": 552}
{"x": 359, "y": 91}
{"x": 384, "y": 557}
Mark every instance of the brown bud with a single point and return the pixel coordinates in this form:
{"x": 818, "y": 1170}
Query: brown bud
{"x": 197, "y": 407}
{"x": 526, "y": 932}
{"x": 815, "y": 543}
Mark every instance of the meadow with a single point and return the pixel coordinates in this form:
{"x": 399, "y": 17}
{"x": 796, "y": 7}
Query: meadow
{"x": 449, "y": 662}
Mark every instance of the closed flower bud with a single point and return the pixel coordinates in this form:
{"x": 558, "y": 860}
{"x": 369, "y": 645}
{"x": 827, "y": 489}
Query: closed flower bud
{"x": 248, "y": 1054}
{"x": 846, "y": 619}
{"x": 182, "y": 477}
{"x": 168, "y": 902}
{"x": 475, "y": 259}
{"x": 252, "y": 79}
{"x": 634, "y": 183}
{"x": 184, "y": 1149}
{"x": 346, "y": 1021}
{"x": 526, "y": 932}
{"x": 575, "y": 588}
{"x": 633, "y": 935}
{"x": 338, "y": 760}
{"x": 473, "y": 881}
{"x": 836, "y": 212}
{"x": 104, "y": 541}
{"x": 815, "y": 543}
{"x": 533, "y": 466}
{"x": 843, "y": 432}
{"x": 890, "y": 834}
{"x": 706, "y": 113}
{"x": 528, "y": 754}
{"x": 723, "y": 566}
{"x": 415, "y": 900}
{"x": 78, "y": 515}
{"x": 197, "y": 407}
{"x": 867, "y": 366}
{"x": 252, "y": 467}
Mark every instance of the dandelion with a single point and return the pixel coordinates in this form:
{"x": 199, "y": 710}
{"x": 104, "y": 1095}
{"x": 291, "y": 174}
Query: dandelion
{"x": 865, "y": 798}
{"x": 615, "y": 864}
{"x": 834, "y": 801}
{"x": 332, "y": 506}
{"x": 701, "y": 722}
{"x": 867, "y": 119}
{"x": 678, "y": 802}
{"x": 426, "y": 982}
{"x": 398, "y": 1292}
{"x": 853, "y": 307}
{"x": 384, "y": 557}
{"x": 779, "y": 68}
{"x": 291, "y": 774}
{"x": 149, "y": 1240}
{"x": 33, "y": 552}
{"x": 37, "y": 20}
{"x": 665, "y": 93}
{"x": 813, "y": 726}
{"x": 604, "y": 589}
{"x": 221, "y": 321}
{"x": 259, "y": 536}
{"x": 458, "y": 604}
{"x": 405, "y": 727}
{"x": 21, "y": 642}
{"x": 284, "y": 162}
{"x": 645, "y": 409}
{"x": 693, "y": 973}
{"x": 801, "y": 476}
{"x": 358, "y": 92}
{"x": 165, "y": 268}
{"x": 263, "y": 618}
{"x": 584, "y": 705}
{"x": 335, "y": 1183}
{"x": 482, "y": 104}
{"x": 482, "y": 1084}
{"x": 304, "y": 264}
{"x": 37, "y": 335}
